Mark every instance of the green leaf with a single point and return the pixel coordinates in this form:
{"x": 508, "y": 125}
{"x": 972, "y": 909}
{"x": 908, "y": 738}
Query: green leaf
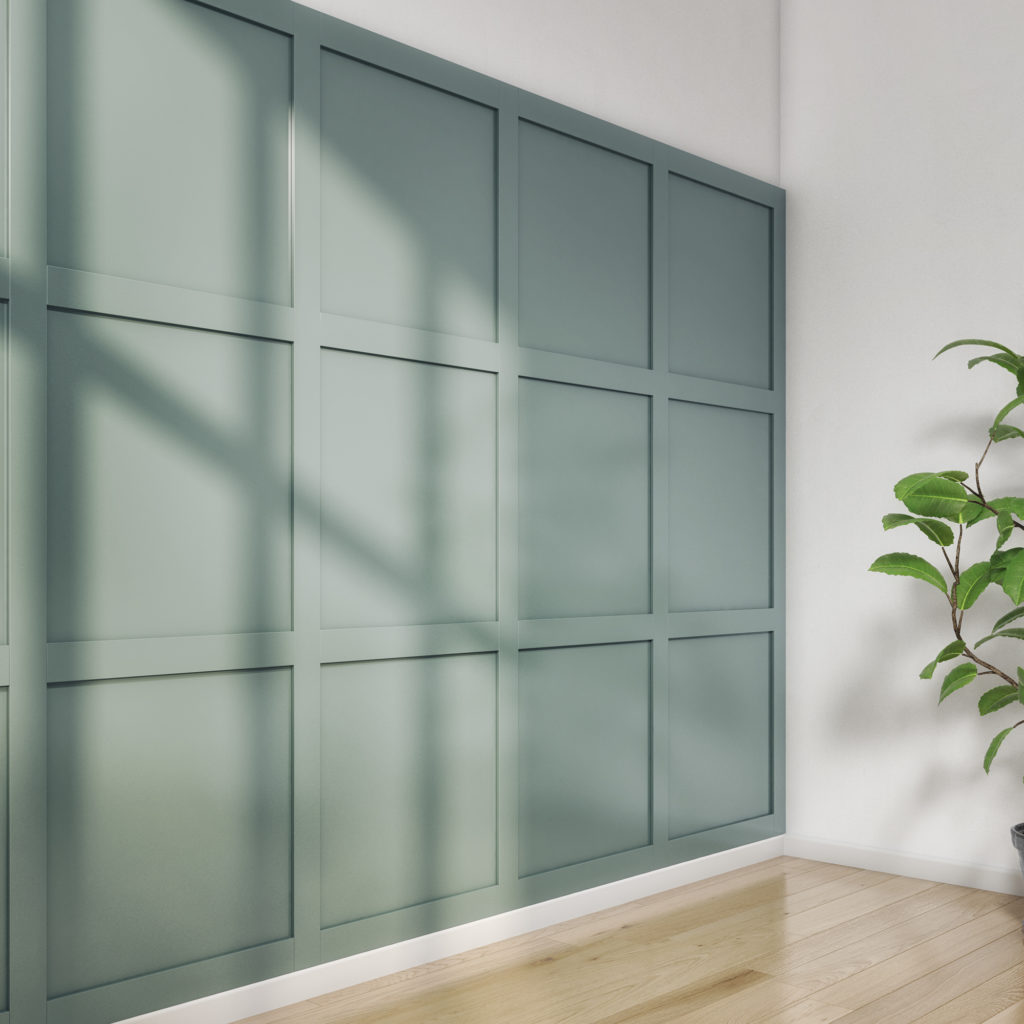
{"x": 958, "y": 678}
{"x": 933, "y": 529}
{"x": 928, "y": 494}
{"x": 1011, "y": 634}
{"x": 954, "y": 474}
{"x": 1020, "y": 688}
{"x": 1014, "y": 505}
{"x": 996, "y": 698}
{"x": 1011, "y": 363}
{"x": 1004, "y": 432}
{"x": 974, "y": 512}
{"x": 1013, "y": 580}
{"x": 973, "y": 582}
{"x": 1000, "y": 558}
{"x": 1004, "y": 524}
{"x": 974, "y": 341}
{"x": 899, "y": 563}
{"x": 1008, "y": 617}
{"x": 1014, "y": 403}
{"x": 947, "y": 653}
{"x": 993, "y": 747}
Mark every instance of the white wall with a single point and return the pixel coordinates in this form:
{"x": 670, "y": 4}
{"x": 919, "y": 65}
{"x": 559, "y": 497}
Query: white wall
{"x": 701, "y": 75}
{"x": 903, "y": 157}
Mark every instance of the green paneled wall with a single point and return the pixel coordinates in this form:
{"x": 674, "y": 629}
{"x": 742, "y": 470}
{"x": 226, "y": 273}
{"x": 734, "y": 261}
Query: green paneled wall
{"x": 393, "y": 493}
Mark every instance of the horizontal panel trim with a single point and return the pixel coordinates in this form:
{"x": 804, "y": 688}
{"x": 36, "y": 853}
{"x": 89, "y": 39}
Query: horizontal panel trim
{"x": 5, "y": 666}
{"x": 591, "y": 373}
{"x": 82, "y": 661}
{"x": 732, "y": 396}
{"x": 86, "y": 292}
{"x": 599, "y": 629}
{"x": 384, "y": 642}
{"x": 166, "y": 988}
{"x": 723, "y": 623}
{"x": 350, "y": 334}
{"x": 5, "y": 279}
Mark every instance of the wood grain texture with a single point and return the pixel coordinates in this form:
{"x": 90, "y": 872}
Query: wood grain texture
{"x": 786, "y": 941}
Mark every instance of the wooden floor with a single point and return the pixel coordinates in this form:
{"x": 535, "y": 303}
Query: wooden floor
{"x": 788, "y": 940}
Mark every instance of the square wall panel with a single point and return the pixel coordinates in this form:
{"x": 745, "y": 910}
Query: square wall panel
{"x": 408, "y": 215}
{"x": 169, "y": 836}
{"x": 584, "y": 501}
{"x": 169, "y": 481}
{"x": 720, "y": 508}
{"x": 5, "y": 959}
{"x": 5, "y": 84}
{"x": 169, "y": 146}
{"x": 720, "y": 285}
{"x": 720, "y": 724}
{"x": 4, "y": 470}
{"x": 584, "y": 249}
{"x": 584, "y": 754}
{"x": 408, "y": 500}
{"x": 409, "y": 769}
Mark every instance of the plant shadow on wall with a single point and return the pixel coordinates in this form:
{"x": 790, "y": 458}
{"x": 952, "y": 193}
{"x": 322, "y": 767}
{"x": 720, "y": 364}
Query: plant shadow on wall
{"x": 959, "y": 515}
{"x": 176, "y": 511}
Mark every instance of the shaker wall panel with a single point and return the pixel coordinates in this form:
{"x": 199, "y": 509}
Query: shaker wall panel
{"x": 172, "y": 124}
{"x": 720, "y": 703}
{"x": 408, "y": 506}
{"x": 408, "y": 202}
{"x": 391, "y": 501}
{"x": 720, "y": 508}
{"x": 584, "y": 754}
{"x": 410, "y": 781}
{"x": 720, "y": 266}
{"x": 584, "y": 244}
{"x": 584, "y": 506}
{"x": 5, "y": 472}
{"x": 169, "y": 822}
{"x": 4, "y": 127}
{"x": 170, "y": 481}
{"x": 5, "y": 901}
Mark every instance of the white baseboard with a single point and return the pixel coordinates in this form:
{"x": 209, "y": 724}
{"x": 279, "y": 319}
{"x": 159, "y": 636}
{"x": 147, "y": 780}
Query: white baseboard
{"x": 976, "y": 876}
{"x": 227, "y": 1007}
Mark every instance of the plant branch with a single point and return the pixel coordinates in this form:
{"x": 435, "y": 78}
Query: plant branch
{"x": 977, "y": 468}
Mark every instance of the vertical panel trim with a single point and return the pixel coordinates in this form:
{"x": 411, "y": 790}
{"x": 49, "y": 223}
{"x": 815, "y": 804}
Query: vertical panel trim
{"x": 507, "y": 170}
{"x": 306, "y": 493}
{"x": 27, "y": 349}
{"x": 778, "y": 227}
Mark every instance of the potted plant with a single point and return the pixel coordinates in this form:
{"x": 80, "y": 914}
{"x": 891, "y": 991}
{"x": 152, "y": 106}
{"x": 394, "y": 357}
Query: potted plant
{"x": 944, "y": 506}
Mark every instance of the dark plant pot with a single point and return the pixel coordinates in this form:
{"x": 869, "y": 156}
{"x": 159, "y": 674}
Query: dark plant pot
{"x": 1017, "y": 836}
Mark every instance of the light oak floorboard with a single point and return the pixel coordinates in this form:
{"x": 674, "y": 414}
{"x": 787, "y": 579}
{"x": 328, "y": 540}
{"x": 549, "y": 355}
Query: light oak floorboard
{"x": 787, "y": 941}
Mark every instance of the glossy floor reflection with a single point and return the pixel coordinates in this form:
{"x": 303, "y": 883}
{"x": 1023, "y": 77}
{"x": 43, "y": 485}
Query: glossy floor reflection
{"x": 790, "y": 941}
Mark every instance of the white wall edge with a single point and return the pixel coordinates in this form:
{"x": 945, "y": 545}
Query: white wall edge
{"x": 228, "y": 1007}
{"x": 932, "y": 869}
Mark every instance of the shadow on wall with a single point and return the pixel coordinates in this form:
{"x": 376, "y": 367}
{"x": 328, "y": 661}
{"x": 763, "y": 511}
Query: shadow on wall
{"x": 887, "y": 715}
{"x": 173, "y": 504}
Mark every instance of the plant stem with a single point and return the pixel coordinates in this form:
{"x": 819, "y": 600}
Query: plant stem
{"x": 954, "y": 566}
{"x": 977, "y": 467}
